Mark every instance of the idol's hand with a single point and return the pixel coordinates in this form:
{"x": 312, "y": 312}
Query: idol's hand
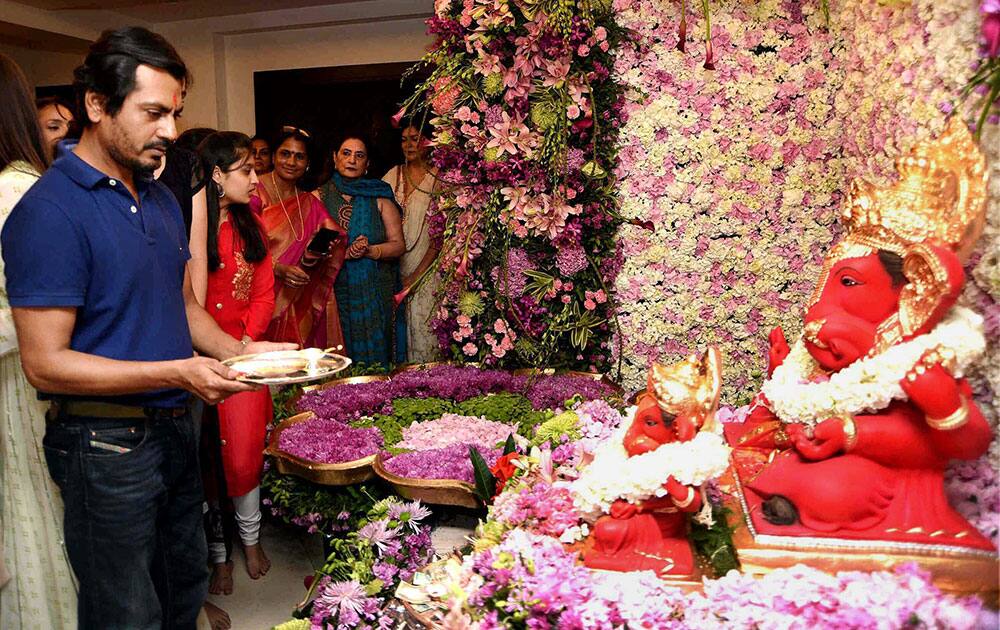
{"x": 778, "y": 351}
{"x": 828, "y": 438}
{"x": 623, "y": 509}
{"x": 931, "y": 387}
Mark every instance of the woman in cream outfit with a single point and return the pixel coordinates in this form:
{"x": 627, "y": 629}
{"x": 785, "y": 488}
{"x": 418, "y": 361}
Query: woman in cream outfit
{"x": 41, "y": 592}
{"x": 413, "y": 185}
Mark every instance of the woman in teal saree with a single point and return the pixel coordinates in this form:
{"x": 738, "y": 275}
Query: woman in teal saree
{"x": 374, "y": 331}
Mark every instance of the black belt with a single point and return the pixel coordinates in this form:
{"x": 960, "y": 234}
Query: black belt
{"x": 96, "y": 409}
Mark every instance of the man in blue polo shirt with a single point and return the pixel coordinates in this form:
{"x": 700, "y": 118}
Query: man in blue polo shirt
{"x": 95, "y": 257}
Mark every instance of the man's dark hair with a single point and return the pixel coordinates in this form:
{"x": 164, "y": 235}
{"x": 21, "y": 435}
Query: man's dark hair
{"x": 109, "y": 69}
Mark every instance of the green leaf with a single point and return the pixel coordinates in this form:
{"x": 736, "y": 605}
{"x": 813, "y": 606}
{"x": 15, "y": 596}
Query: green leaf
{"x": 509, "y": 446}
{"x": 486, "y": 483}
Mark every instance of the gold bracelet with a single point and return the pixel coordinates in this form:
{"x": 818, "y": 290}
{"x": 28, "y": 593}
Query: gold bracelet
{"x": 373, "y": 249}
{"x": 688, "y": 500}
{"x": 850, "y": 432}
{"x": 956, "y": 419}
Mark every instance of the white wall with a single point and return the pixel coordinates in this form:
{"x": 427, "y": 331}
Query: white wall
{"x": 223, "y": 53}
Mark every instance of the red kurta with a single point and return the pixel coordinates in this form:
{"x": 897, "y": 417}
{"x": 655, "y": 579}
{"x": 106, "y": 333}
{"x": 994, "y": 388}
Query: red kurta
{"x": 241, "y": 299}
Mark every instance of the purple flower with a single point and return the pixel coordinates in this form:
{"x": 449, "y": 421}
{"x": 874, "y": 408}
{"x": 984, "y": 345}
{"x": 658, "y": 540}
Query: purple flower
{"x": 329, "y": 442}
{"x": 379, "y": 534}
{"x": 450, "y": 462}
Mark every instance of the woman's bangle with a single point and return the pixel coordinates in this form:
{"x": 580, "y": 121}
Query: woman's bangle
{"x": 375, "y": 252}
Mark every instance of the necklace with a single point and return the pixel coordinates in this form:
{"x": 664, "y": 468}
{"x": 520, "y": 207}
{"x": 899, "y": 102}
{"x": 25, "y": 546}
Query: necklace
{"x": 411, "y": 185}
{"x": 298, "y": 208}
{"x": 871, "y": 383}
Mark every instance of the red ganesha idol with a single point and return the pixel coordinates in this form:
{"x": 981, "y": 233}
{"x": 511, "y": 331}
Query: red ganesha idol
{"x": 644, "y": 482}
{"x": 850, "y": 436}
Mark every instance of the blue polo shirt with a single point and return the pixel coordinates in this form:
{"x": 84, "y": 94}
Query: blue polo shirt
{"x": 79, "y": 238}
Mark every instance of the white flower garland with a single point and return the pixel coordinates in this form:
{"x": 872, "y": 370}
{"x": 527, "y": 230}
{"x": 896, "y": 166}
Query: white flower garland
{"x": 614, "y": 475}
{"x": 871, "y": 383}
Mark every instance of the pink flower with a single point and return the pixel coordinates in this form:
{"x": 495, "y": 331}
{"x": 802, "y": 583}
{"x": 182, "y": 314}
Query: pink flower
{"x": 470, "y": 349}
{"x": 398, "y": 117}
{"x": 589, "y": 305}
{"x": 991, "y": 26}
{"x": 566, "y": 299}
{"x": 583, "y": 50}
{"x": 511, "y": 135}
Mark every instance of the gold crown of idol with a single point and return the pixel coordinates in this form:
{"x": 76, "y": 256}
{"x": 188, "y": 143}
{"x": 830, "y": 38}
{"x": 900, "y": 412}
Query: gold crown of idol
{"x": 691, "y": 386}
{"x": 940, "y": 197}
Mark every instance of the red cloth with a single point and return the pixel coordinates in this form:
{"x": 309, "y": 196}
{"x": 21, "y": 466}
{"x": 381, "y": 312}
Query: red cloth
{"x": 241, "y": 299}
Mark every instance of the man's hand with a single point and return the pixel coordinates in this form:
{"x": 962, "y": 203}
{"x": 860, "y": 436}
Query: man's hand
{"x": 210, "y": 380}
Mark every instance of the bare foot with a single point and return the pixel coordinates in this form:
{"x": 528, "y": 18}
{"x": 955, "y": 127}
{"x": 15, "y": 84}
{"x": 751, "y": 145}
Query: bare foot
{"x": 221, "y": 582}
{"x": 218, "y": 618}
{"x": 257, "y": 561}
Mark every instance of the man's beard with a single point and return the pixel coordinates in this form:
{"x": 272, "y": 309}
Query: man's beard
{"x": 133, "y": 162}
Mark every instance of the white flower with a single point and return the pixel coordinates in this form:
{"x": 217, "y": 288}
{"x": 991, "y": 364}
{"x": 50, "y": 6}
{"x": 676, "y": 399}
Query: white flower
{"x": 614, "y": 475}
{"x": 871, "y": 383}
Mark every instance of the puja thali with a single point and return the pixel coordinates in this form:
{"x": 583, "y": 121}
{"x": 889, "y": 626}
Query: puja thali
{"x": 288, "y": 366}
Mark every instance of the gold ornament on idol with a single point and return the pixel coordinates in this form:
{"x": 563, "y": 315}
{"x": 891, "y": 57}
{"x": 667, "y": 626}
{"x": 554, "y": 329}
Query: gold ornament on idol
{"x": 690, "y": 386}
{"x": 298, "y": 208}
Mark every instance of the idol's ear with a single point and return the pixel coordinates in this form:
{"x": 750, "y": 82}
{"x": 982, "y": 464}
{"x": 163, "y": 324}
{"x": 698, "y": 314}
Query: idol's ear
{"x": 934, "y": 281}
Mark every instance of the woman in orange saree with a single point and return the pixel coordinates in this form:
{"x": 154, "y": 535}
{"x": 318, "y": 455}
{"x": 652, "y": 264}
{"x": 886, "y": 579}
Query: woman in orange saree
{"x": 305, "y": 306}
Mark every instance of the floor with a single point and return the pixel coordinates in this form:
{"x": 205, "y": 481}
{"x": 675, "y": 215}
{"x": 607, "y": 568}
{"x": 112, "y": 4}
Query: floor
{"x": 264, "y": 603}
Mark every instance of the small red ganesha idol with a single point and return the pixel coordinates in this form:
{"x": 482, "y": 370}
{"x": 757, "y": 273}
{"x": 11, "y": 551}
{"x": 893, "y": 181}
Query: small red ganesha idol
{"x": 857, "y": 420}
{"x": 648, "y": 529}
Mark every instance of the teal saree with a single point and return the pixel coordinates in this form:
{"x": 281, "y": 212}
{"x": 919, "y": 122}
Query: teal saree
{"x": 374, "y": 332}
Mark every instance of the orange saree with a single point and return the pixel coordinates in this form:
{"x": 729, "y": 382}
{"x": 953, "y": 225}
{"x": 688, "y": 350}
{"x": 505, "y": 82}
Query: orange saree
{"x": 305, "y": 315}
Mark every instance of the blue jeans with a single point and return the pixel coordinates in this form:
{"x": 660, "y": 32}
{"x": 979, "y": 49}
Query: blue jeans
{"x": 133, "y": 496}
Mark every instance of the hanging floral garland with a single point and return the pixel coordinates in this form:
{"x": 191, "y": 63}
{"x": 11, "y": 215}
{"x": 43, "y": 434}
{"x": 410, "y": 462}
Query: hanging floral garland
{"x": 525, "y": 117}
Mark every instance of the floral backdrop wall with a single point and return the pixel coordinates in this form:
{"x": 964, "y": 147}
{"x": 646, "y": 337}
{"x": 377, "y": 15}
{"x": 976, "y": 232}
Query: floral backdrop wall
{"x": 739, "y": 168}
{"x": 524, "y": 117}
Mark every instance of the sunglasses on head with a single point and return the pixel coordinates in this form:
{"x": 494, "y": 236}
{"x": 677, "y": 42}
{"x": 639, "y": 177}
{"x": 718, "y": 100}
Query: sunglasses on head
{"x": 291, "y": 129}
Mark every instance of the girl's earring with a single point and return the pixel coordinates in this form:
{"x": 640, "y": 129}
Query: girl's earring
{"x": 222, "y": 193}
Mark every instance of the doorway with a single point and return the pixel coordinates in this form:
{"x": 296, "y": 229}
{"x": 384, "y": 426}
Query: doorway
{"x": 328, "y": 101}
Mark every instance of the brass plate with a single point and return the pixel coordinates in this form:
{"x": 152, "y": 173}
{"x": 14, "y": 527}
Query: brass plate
{"x": 342, "y": 474}
{"x": 434, "y": 491}
{"x": 413, "y": 367}
{"x": 350, "y": 380}
{"x": 288, "y": 366}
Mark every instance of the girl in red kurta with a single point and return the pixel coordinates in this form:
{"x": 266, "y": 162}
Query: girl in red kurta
{"x": 241, "y": 299}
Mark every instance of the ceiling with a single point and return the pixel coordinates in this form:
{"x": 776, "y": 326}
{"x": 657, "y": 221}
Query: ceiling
{"x": 169, "y": 11}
